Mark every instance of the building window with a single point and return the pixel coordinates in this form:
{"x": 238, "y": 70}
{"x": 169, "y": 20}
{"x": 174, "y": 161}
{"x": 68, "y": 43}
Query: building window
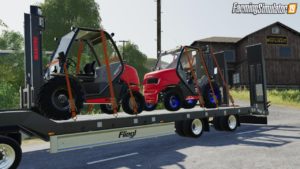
{"x": 229, "y": 56}
{"x": 275, "y": 30}
{"x": 285, "y": 52}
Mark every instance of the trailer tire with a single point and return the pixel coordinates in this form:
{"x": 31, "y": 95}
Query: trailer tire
{"x": 193, "y": 128}
{"x": 208, "y": 95}
{"x": 139, "y": 99}
{"x": 10, "y": 153}
{"x": 217, "y": 123}
{"x": 179, "y": 128}
{"x": 172, "y": 100}
{"x": 107, "y": 108}
{"x": 53, "y": 98}
{"x": 229, "y": 123}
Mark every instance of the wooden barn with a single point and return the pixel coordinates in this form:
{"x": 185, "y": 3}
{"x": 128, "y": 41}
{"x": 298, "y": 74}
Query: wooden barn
{"x": 281, "y": 51}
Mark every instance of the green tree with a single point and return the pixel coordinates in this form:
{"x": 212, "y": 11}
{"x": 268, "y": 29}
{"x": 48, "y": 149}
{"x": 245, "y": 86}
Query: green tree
{"x": 10, "y": 40}
{"x": 11, "y": 69}
{"x": 61, "y": 15}
{"x": 135, "y": 58}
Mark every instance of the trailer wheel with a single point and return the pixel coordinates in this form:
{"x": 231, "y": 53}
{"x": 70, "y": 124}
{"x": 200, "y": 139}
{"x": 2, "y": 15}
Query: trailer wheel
{"x": 150, "y": 107}
{"x": 217, "y": 123}
{"x": 53, "y": 100}
{"x": 172, "y": 100}
{"x": 193, "y": 128}
{"x": 179, "y": 128}
{"x": 189, "y": 104}
{"x": 229, "y": 123}
{"x": 208, "y": 95}
{"x": 128, "y": 106}
{"x": 10, "y": 153}
{"x": 107, "y": 108}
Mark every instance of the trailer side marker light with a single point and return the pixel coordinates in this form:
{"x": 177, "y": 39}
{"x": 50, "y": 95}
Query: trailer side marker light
{"x": 239, "y": 110}
{"x": 206, "y": 113}
{"x": 51, "y": 133}
{"x": 99, "y": 124}
{"x": 188, "y": 116}
{"x": 135, "y": 121}
{"x": 225, "y": 113}
{"x": 153, "y": 119}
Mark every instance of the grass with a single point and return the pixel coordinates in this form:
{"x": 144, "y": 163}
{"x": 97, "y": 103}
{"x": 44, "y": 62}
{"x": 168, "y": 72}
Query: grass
{"x": 288, "y": 97}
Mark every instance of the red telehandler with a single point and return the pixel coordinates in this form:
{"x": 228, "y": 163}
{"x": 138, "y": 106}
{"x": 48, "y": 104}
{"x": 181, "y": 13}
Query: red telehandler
{"x": 86, "y": 53}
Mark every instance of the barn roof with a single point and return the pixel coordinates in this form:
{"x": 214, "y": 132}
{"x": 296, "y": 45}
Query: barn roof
{"x": 220, "y": 39}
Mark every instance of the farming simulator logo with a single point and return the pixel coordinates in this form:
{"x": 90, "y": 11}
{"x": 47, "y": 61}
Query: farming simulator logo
{"x": 125, "y": 133}
{"x": 263, "y": 8}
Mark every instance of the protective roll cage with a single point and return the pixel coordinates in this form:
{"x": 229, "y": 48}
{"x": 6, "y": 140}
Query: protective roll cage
{"x": 90, "y": 37}
{"x": 184, "y": 52}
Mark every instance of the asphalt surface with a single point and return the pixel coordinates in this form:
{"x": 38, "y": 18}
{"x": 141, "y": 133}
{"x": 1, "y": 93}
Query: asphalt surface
{"x": 276, "y": 145}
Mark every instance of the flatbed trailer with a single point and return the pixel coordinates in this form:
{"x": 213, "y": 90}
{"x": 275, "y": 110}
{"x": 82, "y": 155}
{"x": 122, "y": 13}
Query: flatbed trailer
{"x": 94, "y": 130}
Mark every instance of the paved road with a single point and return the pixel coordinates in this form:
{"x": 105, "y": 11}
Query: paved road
{"x": 276, "y": 145}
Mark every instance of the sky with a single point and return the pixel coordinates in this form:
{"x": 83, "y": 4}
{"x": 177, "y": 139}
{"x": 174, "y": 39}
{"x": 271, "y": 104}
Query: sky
{"x": 183, "y": 21}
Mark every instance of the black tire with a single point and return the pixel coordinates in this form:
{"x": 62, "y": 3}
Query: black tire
{"x": 139, "y": 99}
{"x": 8, "y": 147}
{"x": 208, "y": 95}
{"x": 149, "y": 107}
{"x": 229, "y": 123}
{"x": 189, "y": 104}
{"x": 217, "y": 123}
{"x": 107, "y": 108}
{"x": 193, "y": 128}
{"x": 53, "y": 98}
{"x": 179, "y": 128}
{"x": 172, "y": 100}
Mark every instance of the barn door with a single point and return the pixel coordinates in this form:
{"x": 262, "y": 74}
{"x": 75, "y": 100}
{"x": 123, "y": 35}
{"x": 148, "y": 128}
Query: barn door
{"x": 257, "y": 84}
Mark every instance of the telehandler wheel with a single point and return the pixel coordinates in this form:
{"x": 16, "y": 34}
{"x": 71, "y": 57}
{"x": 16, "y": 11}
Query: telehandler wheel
{"x": 193, "y": 128}
{"x": 107, "y": 108}
{"x": 127, "y": 104}
{"x": 150, "y": 107}
{"x": 179, "y": 128}
{"x": 208, "y": 95}
{"x": 189, "y": 104}
{"x": 172, "y": 100}
{"x": 10, "y": 153}
{"x": 229, "y": 123}
{"x": 53, "y": 99}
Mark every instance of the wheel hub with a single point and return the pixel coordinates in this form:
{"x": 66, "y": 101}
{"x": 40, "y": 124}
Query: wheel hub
{"x": 232, "y": 122}
{"x": 174, "y": 101}
{"x": 7, "y": 156}
{"x": 197, "y": 126}
{"x": 62, "y": 98}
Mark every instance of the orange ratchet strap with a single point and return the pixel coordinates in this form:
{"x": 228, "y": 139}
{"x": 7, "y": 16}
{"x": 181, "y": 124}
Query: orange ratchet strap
{"x": 208, "y": 78}
{"x": 111, "y": 90}
{"x": 132, "y": 99}
{"x": 201, "y": 100}
{"x": 221, "y": 75}
{"x": 71, "y": 100}
{"x": 80, "y": 49}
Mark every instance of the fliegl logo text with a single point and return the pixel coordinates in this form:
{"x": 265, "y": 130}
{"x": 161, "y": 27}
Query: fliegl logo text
{"x": 125, "y": 133}
{"x": 262, "y": 8}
